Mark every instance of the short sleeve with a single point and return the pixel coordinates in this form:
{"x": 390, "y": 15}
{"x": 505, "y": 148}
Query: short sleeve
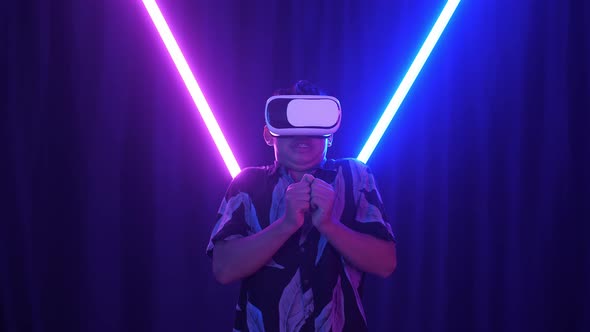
{"x": 370, "y": 215}
{"x": 236, "y": 216}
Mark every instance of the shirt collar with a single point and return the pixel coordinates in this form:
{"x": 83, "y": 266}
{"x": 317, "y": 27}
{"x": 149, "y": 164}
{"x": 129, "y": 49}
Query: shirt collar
{"x": 325, "y": 171}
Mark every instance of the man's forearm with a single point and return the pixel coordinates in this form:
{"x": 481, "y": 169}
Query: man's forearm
{"x": 239, "y": 258}
{"x": 365, "y": 252}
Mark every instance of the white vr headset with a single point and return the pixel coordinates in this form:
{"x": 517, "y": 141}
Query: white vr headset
{"x": 302, "y": 115}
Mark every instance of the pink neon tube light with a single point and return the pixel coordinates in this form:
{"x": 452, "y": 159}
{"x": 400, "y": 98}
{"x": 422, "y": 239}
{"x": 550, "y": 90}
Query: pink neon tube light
{"x": 192, "y": 86}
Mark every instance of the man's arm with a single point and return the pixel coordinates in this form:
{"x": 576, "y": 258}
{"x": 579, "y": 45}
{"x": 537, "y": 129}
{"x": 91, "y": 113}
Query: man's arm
{"x": 239, "y": 258}
{"x": 366, "y": 252}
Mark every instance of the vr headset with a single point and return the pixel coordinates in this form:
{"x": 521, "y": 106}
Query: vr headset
{"x": 302, "y": 115}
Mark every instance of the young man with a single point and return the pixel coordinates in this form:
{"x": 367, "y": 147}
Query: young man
{"x": 301, "y": 233}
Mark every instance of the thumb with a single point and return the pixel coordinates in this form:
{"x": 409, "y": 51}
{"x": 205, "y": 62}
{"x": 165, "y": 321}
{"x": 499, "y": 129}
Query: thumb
{"x": 307, "y": 178}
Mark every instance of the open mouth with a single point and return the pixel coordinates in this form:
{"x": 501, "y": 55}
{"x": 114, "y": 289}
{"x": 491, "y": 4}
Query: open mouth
{"x": 301, "y": 145}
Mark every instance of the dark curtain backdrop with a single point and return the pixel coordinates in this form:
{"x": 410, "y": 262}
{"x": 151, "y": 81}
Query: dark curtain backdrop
{"x": 111, "y": 182}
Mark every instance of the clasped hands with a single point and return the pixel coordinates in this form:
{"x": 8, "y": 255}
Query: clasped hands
{"x": 311, "y": 195}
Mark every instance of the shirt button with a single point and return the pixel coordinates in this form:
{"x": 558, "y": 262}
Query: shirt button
{"x": 306, "y": 282}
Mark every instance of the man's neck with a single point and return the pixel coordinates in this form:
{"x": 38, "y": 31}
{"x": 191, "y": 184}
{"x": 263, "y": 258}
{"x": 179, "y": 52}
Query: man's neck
{"x": 297, "y": 175}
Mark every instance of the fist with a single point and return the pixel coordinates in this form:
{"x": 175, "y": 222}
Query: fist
{"x": 321, "y": 204}
{"x": 297, "y": 201}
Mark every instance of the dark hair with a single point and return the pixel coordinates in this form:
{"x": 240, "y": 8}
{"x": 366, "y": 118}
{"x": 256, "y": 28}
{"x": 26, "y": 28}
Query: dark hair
{"x": 301, "y": 87}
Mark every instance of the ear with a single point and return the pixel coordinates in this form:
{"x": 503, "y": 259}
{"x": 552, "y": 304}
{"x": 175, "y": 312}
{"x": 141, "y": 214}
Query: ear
{"x": 268, "y": 138}
{"x": 330, "y": 140}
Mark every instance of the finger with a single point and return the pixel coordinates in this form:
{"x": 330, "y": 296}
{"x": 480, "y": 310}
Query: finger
{"x": 299, "y": 190}
{"x": 303, "y": 193}
{"x": 301, "y": 184}
{"x": 303, "y": 198}
{"x": 317, "y": 183}
{"x": 323, "y": 201}
{"x": 320, "y": 181}
{"x": 302, "y": 206}
{"x": 316, "y": 202}
{"x": 321, "y": 191}
{"x": 300, "y": 187}
{"x": 307, "y": 178}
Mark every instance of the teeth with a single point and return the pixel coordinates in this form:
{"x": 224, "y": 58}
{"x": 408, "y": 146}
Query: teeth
{"x": 302, "y": 145}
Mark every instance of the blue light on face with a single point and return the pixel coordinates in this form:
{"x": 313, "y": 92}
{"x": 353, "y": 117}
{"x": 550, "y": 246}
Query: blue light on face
{"x": 408, "y": 80}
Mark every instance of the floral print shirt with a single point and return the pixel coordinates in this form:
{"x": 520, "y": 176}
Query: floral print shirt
{"x": 307, "y": 285}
